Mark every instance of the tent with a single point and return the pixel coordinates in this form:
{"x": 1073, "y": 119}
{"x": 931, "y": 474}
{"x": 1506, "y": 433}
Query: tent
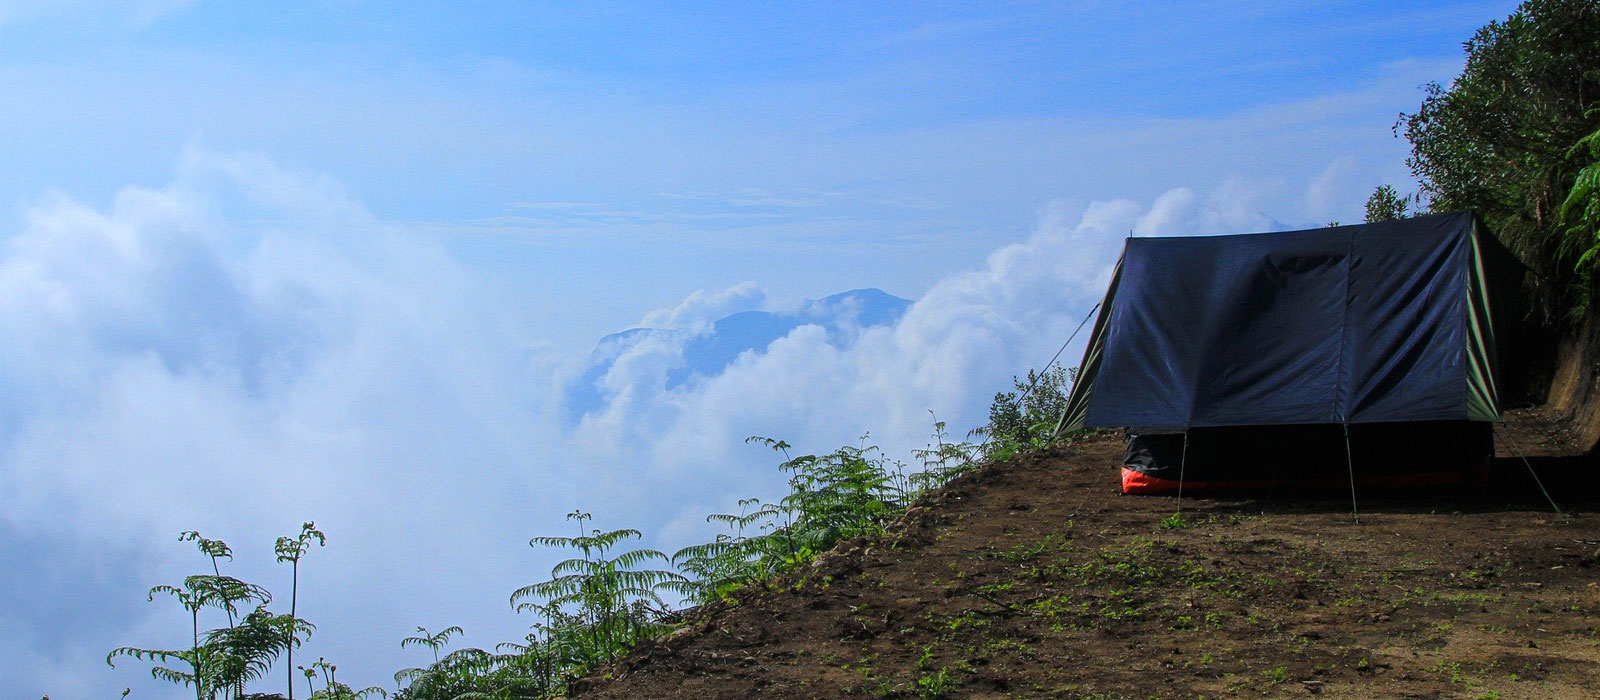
{"x": 1364, "y": 353}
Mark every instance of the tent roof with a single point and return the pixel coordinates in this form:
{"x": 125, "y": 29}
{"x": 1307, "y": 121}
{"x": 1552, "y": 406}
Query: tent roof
{"x": 1380, "y": 322}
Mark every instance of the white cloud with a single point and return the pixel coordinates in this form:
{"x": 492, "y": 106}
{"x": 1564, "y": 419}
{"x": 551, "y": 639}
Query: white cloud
{"x": 1332, "y": 190}
{"x": 702, "y": 307}
{"x": 188, "y": 371}
{"x": 181, "y": 374}
{"x": 954, "y": 347}
{"x": 1232, "y": 208}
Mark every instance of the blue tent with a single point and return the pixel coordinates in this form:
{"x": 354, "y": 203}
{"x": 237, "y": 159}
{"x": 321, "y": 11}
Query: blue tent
{"x": 1400, "y": 323}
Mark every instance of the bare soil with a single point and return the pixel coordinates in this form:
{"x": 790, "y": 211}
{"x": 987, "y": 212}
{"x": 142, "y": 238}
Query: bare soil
{"x": 1035, "y": 578}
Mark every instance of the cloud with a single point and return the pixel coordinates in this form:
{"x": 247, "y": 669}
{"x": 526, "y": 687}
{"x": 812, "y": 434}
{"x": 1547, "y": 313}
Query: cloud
{"x": 702, "y": 307}
{"x": 247, "y": 348}
{"x": 185, "y": 371}
{"x": 1332, "y": 190}
{"x": 1231, "y": 209}
{"x": 953, "y": 348}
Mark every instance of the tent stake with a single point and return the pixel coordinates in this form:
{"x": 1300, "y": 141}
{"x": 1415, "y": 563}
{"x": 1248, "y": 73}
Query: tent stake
{"x": 1183, "y": 464}
{"x": 1350, "y": 461}
{"x": 1518, "y": 452}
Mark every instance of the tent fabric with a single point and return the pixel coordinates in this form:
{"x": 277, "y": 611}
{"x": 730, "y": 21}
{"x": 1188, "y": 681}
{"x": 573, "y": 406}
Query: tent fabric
{"x": 1089, "y": 368}
{"x": 1384, "y": 322}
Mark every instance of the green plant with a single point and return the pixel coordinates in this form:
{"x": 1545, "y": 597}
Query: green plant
{"x": 1385, "y": 204}
{"x": 219, "y": 662}
{"x": 433, "y": 642}
{"x": 614, "y": 601}
{"x": 291, "y": 549}
{"x": 1276, "y": 675}
{"x": 1501, "y": 139}
{"x": 932, "y": 686}
{"x": 332, "y": 689}
{"x": 1027, "y": 416}
{"x": 942, "y": 460}
{"x": 1580, "y": 212}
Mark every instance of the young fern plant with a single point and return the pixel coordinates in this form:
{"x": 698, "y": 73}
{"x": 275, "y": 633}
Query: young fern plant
{"x": 715, "y": 569}
{"x": 433, "y": 642}
{"x": 831, "y": 497}
{"x": 219, "y": 662}
{"x": 223, "y": 660}
{"x": 618, "y": 602}
{"x": 332, "y": 689}
{"x": 216, "y": 550}
{"x": 942, "y": 460}
{"x": 290, "y": 550}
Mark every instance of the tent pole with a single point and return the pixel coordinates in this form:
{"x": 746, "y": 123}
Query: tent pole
{"x": 1183, "y": 464}
{"x": 1518, "y": 452}
{"x": 1350, "y": 461}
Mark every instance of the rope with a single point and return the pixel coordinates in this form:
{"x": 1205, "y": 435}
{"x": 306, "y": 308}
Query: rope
{"x": 1046, "y": 368}
{"x": 1518, "y": 452}
{"x": 1350, "y": 461}
{"x": 1183, "y": 464}
{"x": 1060, "y": 350}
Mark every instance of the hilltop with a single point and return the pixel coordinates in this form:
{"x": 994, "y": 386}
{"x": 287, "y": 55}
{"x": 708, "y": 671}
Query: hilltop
{"x": 1033, "y": 577}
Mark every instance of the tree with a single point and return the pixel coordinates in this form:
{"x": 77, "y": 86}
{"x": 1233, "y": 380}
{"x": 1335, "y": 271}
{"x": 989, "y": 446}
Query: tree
{"x": 1385, "y": 205}
{"x": 1502, "y": 138}
{"x": 1025, "y": 417}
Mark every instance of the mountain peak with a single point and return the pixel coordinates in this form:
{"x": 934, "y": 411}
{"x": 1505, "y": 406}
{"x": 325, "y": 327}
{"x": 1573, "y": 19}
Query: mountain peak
{"x": 708, "y": 353}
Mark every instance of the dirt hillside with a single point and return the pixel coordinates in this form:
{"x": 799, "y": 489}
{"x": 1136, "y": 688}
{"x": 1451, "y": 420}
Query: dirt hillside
{"x": 1034, "y": 578}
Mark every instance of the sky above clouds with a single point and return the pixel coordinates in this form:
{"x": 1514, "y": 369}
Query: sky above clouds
{"x": 274, "y": 262}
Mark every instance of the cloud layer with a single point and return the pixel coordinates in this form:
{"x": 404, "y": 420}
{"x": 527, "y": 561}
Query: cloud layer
{"x": 245, "y": 348}
{"x": 181, "y": 371}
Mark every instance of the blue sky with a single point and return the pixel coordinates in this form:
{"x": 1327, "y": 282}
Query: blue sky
{"x": 269, "y": 262}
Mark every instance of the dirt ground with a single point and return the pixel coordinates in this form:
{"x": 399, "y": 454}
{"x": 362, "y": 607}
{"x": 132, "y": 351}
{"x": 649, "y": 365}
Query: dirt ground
{"x": 1035, "y": 578}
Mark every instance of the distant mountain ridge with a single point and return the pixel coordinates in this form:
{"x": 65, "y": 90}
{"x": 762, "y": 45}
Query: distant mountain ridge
{"x": 706, "y": 353}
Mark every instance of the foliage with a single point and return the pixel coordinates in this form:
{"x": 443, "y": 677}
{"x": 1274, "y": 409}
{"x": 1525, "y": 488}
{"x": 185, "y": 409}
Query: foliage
{"x": 1385, "y": 204}
{"x": 220, "y": 662}
{"x": 332, "y": 689}
{"x": 592, "y": 609}
{"x": 715, "y": 569}
{"x": 846, "y": 493}
{"x": 941, "y": 461}
{"x": 291, "y": 549}
{"x": 1502, "y": 138}
{"x": 597, "y": 604}
{"x": 1580, "y": 212}
{"x": 835, "y": 496}
{"x": 1028, "y": 416}
{"x": 470, "y": 674}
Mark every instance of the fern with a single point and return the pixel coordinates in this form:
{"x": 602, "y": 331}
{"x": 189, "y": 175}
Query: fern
{"x": 1580, "y": 213}
{"x": 616, "y": 600}
{"x": 291, "y": 549}
{"x": 219, "y": 662}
